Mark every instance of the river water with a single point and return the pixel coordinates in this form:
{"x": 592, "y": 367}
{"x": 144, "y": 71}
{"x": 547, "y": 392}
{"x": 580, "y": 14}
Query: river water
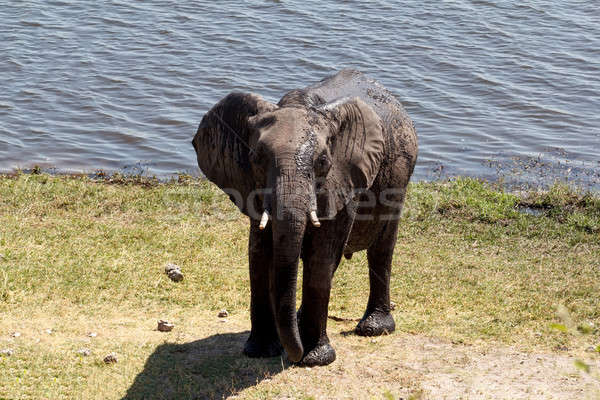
{"x": 507, "y": 89}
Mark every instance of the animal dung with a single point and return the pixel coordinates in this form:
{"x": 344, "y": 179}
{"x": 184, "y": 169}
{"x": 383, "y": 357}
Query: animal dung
{"x": 223, "y": 314}
{"x": 174, "y": 273}
{"x": 110, "y": 359}
{"x": 165, "y": 326}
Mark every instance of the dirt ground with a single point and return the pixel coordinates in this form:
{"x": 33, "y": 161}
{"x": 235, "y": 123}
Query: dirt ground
{"x": 405, "y": 366}
{"x": 453, "y": 371}
{"x": 202, "y": 358}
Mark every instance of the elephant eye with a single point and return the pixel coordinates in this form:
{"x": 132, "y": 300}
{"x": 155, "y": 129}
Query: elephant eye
{"x": 257, "y": 157}
{"x": 322, "y": 165}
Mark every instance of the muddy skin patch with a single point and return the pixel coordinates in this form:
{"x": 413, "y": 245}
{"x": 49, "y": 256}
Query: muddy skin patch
{"x": 304, "y": 155}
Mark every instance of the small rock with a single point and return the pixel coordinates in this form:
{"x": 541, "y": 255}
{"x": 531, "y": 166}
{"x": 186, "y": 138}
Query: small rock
{"x": 592, "y": 349}
{"x": 49, "y": 331}
{"x": 223, "y": 314}
{"x": 165, "y": 326}
{"x": 392, "y": 305}
{"x": 6, "y": 352}
{"x": 85, "y": 352}
{"x": 174, "y": 272}
{"x": 110, "y": 359}
{"x": 537, "y": 334}
{"x": 16, "y": 334}
{"x": 92, "y": 334}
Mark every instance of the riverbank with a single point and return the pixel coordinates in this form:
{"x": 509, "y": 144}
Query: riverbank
{"x": 476, "y": 271}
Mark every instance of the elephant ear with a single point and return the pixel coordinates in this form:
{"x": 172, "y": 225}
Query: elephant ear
{"x": 222, "y": 145}
{"x": 356, "y": 145}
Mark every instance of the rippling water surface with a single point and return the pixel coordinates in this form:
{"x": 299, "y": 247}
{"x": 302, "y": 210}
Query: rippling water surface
{"x": 494, "y": 87}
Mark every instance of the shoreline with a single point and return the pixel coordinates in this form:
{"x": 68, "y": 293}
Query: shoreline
{"x": 117, "y": 177}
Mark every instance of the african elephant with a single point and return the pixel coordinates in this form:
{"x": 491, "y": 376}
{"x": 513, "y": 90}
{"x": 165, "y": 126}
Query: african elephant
{"x": 321, "y": 174}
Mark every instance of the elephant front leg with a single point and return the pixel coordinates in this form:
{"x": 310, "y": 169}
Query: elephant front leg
{"x": 378, "y": 319}
{"x": 312, "y": 316}
{"x": 263, "y": 340}
{"x": 322, "y": 252}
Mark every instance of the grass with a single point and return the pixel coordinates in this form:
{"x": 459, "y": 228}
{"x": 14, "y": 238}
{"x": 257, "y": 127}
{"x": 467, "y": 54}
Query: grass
{"x": 473, "y": 265}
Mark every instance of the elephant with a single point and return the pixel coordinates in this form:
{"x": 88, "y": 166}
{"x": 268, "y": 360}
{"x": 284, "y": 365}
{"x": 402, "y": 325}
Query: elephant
{"x": 321, "y": 174}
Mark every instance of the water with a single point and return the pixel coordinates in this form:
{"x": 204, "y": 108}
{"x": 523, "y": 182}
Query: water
{"x": 496, "y": 88}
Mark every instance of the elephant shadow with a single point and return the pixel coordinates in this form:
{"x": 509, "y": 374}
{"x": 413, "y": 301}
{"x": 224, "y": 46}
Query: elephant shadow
{"x": 210, "y": 368}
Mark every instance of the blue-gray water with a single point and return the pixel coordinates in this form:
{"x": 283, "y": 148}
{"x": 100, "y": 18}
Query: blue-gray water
{"x": 494, "y": 87}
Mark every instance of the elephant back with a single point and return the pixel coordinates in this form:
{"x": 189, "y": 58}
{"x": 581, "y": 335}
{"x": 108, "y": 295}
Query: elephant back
{"x": 399, "y": 131}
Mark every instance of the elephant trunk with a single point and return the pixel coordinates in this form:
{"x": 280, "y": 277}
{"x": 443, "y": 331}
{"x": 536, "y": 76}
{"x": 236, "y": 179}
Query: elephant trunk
{"x": 290, "y": 211}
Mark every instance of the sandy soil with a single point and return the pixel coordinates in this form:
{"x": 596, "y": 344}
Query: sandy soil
{"x": 205, "y": 353}
{"x": 438, "y": 369}
{"x": 450, "y": 371}
{"x": 405, "y": 366}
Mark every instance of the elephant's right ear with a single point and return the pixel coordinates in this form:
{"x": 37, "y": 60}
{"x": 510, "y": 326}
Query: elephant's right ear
{"x": 222, "y": 144}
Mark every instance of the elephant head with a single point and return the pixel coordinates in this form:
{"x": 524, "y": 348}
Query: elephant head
{"x": 292, "y": 165}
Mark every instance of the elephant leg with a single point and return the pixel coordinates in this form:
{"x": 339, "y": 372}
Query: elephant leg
{"x": 321, "y": 256}
{"x": 263, "y": 340}
{"x": 377, "y": 319}
{"x": 316, "y": 287}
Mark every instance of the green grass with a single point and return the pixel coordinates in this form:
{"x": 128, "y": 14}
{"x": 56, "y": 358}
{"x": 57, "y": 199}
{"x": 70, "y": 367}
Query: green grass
{"x": 78, "y": 255}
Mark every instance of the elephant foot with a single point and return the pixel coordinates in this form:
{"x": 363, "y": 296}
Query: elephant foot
{"x": 375, "y": 324}
{"x": 261, "y": 349}
{"x": 323, "y": 354}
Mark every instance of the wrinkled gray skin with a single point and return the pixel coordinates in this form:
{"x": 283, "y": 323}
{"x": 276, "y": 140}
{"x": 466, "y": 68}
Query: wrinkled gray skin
{"x": 315, "y": 150}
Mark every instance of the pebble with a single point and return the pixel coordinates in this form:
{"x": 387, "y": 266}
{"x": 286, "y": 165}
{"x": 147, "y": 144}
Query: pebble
{"x": 6, "y": 352}
{"x": 110, "y": 359}
{"x": 174, "y": 272}
{"x": 16, "y": 334}
{"x": 165, "y": 326}
{"x": 85, "y": 352}
{"x": 223, "y": 314}
{"x": 92, "y": 334}
{"x": 593, "y": 349}
{"x": 49, "y": 331}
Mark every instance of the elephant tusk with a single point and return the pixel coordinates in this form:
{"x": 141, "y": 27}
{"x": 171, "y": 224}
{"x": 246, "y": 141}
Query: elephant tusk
{"x": 264, "y": 220}
{"x": 313, "y": 218}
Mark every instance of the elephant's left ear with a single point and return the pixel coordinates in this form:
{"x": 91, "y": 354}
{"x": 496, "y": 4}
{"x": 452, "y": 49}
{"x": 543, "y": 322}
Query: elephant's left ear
{"x": 356, "y": 144}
